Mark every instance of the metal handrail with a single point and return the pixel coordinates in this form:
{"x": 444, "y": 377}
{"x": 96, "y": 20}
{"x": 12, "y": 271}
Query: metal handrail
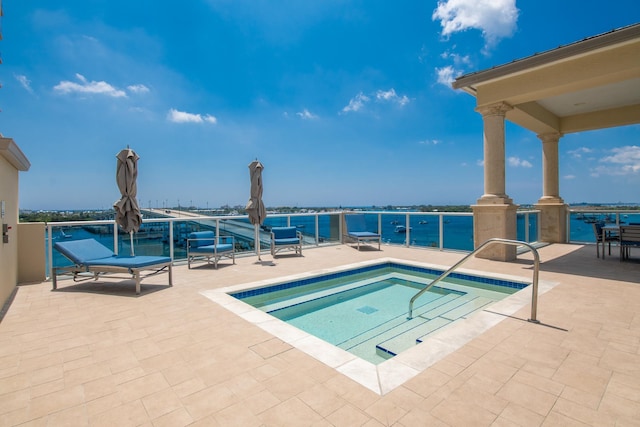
{"x": 534, "y": 290}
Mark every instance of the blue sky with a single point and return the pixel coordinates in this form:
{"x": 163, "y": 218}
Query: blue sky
{"x": 346, "y": 103}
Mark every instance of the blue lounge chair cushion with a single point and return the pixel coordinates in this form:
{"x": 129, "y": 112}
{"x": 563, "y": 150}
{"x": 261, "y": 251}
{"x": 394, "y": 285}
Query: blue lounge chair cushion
{"x": 137, "y": 261}
{"x": 363, "y": 234}
{"x": 285, "y": 233}
{"x": 90, "y": 252}
{"x": 294, "y": 241}
{"x": 223, "y": 247}
{"x": 81, "y": 251}
{"x": 204, "y": 238}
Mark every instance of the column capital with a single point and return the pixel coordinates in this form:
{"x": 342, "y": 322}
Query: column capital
{"x": 497, "y": 109}
{"x": 550, "y": 137}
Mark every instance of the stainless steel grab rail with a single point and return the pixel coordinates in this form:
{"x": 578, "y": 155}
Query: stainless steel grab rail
{"x": 534, "y": 290}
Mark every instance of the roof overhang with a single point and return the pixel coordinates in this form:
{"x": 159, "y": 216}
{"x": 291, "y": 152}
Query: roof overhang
{"x": 587, "y": 85}
{"x": 10, "y": 151}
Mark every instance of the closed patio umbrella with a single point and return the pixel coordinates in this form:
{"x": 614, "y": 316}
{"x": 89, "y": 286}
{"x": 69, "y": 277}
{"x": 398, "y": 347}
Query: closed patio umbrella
{"x": 255, "y": 207}
{"x": 127, "y": 210}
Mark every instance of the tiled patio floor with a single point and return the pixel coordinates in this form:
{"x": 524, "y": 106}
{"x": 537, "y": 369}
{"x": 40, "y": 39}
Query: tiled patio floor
{"x": 98, "y": 355}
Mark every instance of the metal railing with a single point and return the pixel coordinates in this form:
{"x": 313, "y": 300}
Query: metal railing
{"x": 534, "y": 290}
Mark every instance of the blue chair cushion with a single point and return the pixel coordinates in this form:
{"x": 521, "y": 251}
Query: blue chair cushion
{"x": 286, "y": 241}
{"x": 137, "y": 261}
{"x": 81, "y": 251}
{"x": 209, "y": 249}
{"x": 280, "y": 233}
{"x": 363, "y": 234}
{"x": 90, "y": 252}
{"x": 205, "y": 238}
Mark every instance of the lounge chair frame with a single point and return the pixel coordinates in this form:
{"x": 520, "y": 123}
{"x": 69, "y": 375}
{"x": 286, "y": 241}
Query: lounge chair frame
{"x": 205, "y": 245}
{"x": 356, "y": 229}
{"x": 285, "y": 238}
{"x": 108, "y": 266}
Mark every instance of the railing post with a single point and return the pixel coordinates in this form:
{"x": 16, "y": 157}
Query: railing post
{"x": 407, "y": 237}
{"x": 50, "y": 249}
{"x": 171, "y": 240}
{"x": 441, "y": 231}
{"x": 115, "y": 237}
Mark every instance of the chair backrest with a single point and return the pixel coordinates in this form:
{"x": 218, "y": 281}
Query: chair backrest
{"x": 630, "y": 233}
{"x": 81, "y": 251}
{"x": 597, "y": 230}
{"x": 205, "y": 238}
{"x": 284, "y": 232}
{"x": 355, "y": 223}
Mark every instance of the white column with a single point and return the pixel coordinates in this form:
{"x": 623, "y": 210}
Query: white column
{"x": 550, "y": 168}
{"x": 494, "y": 153}
{"x": 495, "y": 213}
{"x": 552, "y": 222}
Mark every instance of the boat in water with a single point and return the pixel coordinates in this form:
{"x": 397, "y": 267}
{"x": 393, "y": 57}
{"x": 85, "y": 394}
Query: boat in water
{"x": 401, "y": 229}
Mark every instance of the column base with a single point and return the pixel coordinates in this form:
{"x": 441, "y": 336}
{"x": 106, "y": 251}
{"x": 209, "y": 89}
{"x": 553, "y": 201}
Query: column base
{"x": 492, "y": 199}
{"x": 495, "y": 220}
{"x": 552, "y": 224}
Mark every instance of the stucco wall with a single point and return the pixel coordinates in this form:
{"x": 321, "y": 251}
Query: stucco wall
{"x": 8, "y": 251}
{"x": 31, "y": 252}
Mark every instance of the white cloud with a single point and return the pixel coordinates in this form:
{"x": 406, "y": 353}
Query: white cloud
{"x": 391, "y": 96}
{"x": 578, "y": 152}
{"x": 517, "y": 162}
{"x": 569, "y": 177}
{"x": 306, "y": 115}
{"x": 24, "y": 82}
{"x": 623, "y": 161}
{"x": 139, "y": 88}
{"x": 381, "y": 96}
{"x": 480, "y": 162}
{"x": 430, "y": 142}
{"x": 356, "y": 103}
{"x": 89, "y": 87}
{"x": 457, "y": 58}
{"x": 495, "y": 18}
{"x": 446, "y": 75}
{"x": 176, "y": 116}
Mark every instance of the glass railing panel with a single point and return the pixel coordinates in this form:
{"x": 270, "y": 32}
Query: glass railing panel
{"x": 151, "y": 239}
{"x": 524, "y": 221}
{"x": 393, "y": 228}
{"x": 458, "y": 232}
{"x": 581, "y": 225}
{"x": 329, "y": 228}
{"x": 534, "y": 230}
{"x": 630, "y": 218}
{"x": 424, "y": 231}
{"x": 305, "y": 224}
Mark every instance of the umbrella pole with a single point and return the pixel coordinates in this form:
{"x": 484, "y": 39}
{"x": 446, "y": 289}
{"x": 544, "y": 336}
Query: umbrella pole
{"x": 131, "y": 239}
{"x": 256, "y": 243}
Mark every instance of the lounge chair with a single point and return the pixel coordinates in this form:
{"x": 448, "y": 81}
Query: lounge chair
{"x": 205, "y": 245}
{"x": 357, "y": 230}
{"x": 90, "y": 256}
{"x": 285, "y": 238}
{"x": 629, "y": 237}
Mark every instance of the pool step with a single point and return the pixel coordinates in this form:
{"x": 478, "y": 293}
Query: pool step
{"x": 439, "y": 318}
{"x": 329, "y": 292}
{"x": 397, "y": 325}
